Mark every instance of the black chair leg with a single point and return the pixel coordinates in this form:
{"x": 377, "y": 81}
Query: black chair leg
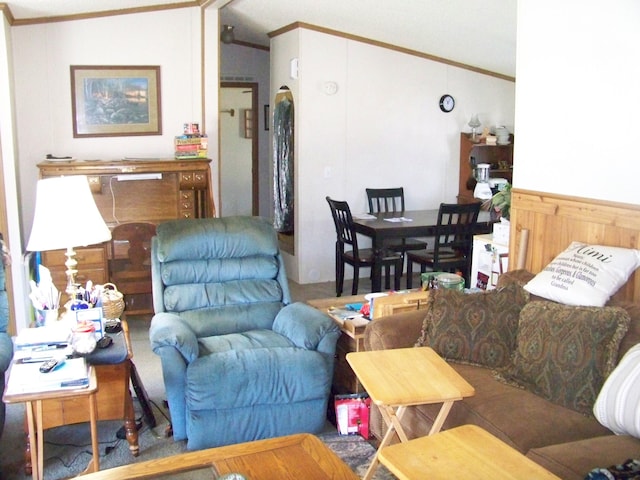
{"x": 398, "y": 274}
{"x": 387, "y": 277}
{"x": 356, "y": 277}
{"x": 339, "y": 273}
{"x": 409, "y": 273}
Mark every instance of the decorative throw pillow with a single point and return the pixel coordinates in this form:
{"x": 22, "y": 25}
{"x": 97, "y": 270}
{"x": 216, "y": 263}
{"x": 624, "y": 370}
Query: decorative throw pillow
{"x": 585, "y": 275}
{"x": 564, "y": 353}
{"x": 475, "y": 328}
{"x": 618, "y": 404}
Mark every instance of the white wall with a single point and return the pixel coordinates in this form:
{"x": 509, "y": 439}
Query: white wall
{"x": 42, "y": 56}
{"x": 383, "y": 128}
{"x": 578, "y": 98}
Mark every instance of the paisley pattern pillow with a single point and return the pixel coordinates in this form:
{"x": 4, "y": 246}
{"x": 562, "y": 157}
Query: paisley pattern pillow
{"x": 564, "y": 353}
{"x": 475, "y": 328}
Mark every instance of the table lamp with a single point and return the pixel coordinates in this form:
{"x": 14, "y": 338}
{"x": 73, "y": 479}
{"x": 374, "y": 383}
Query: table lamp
{"x": 66, "y": 216}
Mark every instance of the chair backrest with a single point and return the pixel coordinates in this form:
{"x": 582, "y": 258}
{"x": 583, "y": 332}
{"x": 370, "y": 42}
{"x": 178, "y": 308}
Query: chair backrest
{"x": 385, "y": 199}
{"x": 221, "y": 275}
{"x": 343, "y": 221}
{"x": 455, "y": 229}
{"x": 132, "y": 242}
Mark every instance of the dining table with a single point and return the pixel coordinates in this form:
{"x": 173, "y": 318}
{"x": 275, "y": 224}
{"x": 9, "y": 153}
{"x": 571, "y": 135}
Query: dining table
{"x": 382, "y": 226}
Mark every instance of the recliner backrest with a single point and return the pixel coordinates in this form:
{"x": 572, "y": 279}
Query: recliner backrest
{"x": 221, "y": 275}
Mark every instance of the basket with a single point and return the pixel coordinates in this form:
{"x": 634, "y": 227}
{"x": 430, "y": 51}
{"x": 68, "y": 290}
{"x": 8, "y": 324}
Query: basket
{"x": 112, "y": 302}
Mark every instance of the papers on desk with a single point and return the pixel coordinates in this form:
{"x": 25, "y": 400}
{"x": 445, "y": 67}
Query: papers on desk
{"x": 342, "y": 314}
{"x": 25, "y": 377}
{"x": 43, "y": 337}
{"x": 364, "y": 216}
{"x": 398, "y": 219}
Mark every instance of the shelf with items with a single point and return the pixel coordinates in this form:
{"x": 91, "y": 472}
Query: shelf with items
{"x": 500, "y": 157}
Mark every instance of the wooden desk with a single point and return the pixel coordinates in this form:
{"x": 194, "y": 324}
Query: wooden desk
{"x": 463, "y": 452}
{"x": 398, "y": 378}
{"x": 36, "y": 419}
{"x": 182, "y": 190}
{"x": 423, "y": 224}
{"x": 285, "y": 458}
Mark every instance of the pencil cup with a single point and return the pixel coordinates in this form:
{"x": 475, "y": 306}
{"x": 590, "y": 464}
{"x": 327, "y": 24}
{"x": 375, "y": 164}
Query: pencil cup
{"x": 46, "y": 317}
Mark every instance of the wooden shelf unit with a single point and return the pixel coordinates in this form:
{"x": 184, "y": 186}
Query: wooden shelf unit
{"x": 170, "y": 189}
{"x": 500, "y": 157}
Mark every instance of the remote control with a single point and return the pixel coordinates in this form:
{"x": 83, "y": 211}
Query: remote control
{"x": 51, "y": 364}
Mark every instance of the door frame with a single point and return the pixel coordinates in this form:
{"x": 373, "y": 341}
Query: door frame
{"x": 254, "y": 141}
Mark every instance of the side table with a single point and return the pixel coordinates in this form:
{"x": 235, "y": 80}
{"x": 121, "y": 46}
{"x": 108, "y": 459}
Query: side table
{"x": 398, "y": 378}
{"x": 352, "y": 338}
{"x": 462, "y": 452}
{"x": 36, "y": 420}
{"x": 113, "y": 372}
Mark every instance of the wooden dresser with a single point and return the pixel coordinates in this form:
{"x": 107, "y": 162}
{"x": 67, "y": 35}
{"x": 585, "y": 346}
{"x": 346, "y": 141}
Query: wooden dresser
{"x": 126, "y": 191}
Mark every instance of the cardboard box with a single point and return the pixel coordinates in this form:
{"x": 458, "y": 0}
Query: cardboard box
{"x": 352, "y": 414}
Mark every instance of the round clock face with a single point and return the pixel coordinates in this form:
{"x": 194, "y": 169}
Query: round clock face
{"x": 447, "y": 103}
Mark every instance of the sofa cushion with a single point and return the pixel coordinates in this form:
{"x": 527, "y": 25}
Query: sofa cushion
{"x": 478, "y": 328}
{"x": 516, "y": 416}
{"x": 564, "y": 353}
{"x": 574, "y": 460}
{"x": 618, "y": 404}
{"x": 585, "y": 274}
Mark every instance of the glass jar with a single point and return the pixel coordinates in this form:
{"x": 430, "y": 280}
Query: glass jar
{"x": 83, "y": 338}
{"x": 450, "y": 280}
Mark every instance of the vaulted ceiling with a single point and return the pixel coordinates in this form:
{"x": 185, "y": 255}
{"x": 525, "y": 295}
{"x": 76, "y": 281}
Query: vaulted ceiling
{"x": 479, "y": 34}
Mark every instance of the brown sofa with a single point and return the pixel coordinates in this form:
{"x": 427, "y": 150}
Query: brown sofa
{"x": 568, "y": 443}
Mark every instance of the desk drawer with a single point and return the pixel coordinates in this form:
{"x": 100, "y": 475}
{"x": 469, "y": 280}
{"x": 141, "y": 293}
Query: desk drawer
{"x": 92, "y": 265}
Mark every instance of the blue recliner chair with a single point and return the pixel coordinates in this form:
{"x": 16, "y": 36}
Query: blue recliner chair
{"x": 239, "y": 361}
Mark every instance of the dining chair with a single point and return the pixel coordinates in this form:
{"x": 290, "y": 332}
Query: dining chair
{"x": 452, "y": 242}
{"x": 130, "y": 264}
{"x": 392, "y": 200}
{"x": 358, "y": 257}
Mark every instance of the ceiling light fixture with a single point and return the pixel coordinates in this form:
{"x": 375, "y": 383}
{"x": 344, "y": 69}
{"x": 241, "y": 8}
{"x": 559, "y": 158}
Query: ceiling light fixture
{"x": 227, "y": 36}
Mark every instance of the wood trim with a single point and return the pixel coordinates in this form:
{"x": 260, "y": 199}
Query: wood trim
{"x": 388, "y": 46}
{"x": 555, "y": 220}
{"x": 83, "y": 16}
{"x": 251, "y": 45}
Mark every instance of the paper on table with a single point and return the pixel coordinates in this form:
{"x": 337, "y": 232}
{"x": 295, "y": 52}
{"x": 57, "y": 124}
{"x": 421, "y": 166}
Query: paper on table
{"x": 364, "y": 216}
{"x": 398, "y": 219}
{"x": 27, "y": 378}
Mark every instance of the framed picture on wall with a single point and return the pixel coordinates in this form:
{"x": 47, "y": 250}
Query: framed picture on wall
{"x": 111, "y": 101}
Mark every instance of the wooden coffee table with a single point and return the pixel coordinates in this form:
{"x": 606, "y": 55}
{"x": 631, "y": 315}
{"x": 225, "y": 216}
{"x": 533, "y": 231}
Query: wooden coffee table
{"x": 398, "y": 378}
{"x": 283, "y": 458}
{"x": 462, "y": 452}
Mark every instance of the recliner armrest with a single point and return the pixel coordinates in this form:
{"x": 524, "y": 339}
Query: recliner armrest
{"x": 306, "y": 327}
{"x": 170, "y": 330}
{"x": 6, "y": 351}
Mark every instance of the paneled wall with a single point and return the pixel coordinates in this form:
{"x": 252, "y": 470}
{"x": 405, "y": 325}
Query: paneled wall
{"x": 553, "y": 221}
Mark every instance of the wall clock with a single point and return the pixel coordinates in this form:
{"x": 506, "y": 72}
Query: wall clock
{"x": 447, "y": 103}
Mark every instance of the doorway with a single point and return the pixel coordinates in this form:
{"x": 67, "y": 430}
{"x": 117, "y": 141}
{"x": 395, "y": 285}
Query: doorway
{"x": 238, "y": 149}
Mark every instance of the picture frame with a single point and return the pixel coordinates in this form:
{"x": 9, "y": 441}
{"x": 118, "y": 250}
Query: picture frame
{"x": 111, "y": 101}
{"x": 266, "y": 117}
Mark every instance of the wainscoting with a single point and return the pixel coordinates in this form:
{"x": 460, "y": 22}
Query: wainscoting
{"x": 551, "y": 222}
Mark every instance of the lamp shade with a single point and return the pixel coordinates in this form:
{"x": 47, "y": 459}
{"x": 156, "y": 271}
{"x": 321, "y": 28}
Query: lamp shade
{"x": 66, "y": 215}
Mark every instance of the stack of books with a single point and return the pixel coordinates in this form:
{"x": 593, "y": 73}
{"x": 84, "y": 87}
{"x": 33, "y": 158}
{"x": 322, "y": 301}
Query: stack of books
{"x": 191, "y": 146}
